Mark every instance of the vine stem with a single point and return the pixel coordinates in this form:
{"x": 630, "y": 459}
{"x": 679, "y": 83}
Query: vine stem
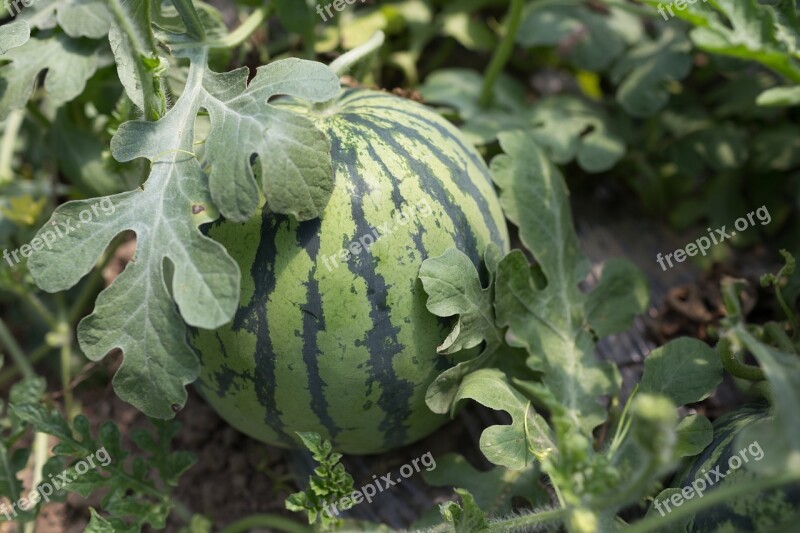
{"x": 342, "y": 64}
{"x": 717, "y": 496}
{"x": 7, "y": 339}
{"x": 13, "y": 124}
{"x": 11, "y": 372}
{"x": 734, "y": 366}
{"x": 142, "y": 47}
{"x": 187, "y": 12}
{"x": 266, "y": 521}
{"x": 524, "y": 522}
{"x": 502, "y": 54}
{"x": 244, "y": 31}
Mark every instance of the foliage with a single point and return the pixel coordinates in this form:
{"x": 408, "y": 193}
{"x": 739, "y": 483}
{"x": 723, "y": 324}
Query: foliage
{"x": 328, "y": 485}
{"x": 160, "y": 113}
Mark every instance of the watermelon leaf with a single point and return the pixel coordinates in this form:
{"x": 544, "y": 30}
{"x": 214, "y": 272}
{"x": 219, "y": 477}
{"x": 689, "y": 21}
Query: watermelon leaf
{"x": 621, "y": 295}
{"x": 516, "y": 445}
{"x": 568, "y": 128}
{"x": 695, "y": 432}
{"x": 14, "y": 35}
{"x": 685, "y": 370}
{"x": 69, "y": 64}
{"x": 593, "y": 40}
{"x": 470, "y": 517}
{"x": 329, "y": 484}
{"x": 779, "y": 434}
{"x": 643, "y": 74}
{"x": 548, "y": 322}
{"x": 494, "y": 489}
{"x": 454, "y": 288}
{"x": 137, "y": 313}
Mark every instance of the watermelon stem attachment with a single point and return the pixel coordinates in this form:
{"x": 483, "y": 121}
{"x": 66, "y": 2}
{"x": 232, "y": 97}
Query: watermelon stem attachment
{"x": 342, "y": 64}
{"x": 502, "y": 54}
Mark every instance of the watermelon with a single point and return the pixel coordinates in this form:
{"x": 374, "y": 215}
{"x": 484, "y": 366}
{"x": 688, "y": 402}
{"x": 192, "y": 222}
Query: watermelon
{"x": 332, "y": 334}
{"x": 771, "y": 510}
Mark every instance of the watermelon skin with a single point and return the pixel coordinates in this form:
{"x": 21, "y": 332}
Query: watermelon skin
{"x": 349, "y": 351}
{"x": 771, "y": 510}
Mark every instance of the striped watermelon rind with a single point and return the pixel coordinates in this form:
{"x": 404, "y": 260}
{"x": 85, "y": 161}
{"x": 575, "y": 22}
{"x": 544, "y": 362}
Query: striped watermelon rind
{"x": 348, "y": 351}
{"x": 770, "y": 510}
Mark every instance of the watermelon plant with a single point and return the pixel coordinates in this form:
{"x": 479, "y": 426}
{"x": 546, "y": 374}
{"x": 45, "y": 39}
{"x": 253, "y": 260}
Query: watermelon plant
{"x": 329, "y": 246}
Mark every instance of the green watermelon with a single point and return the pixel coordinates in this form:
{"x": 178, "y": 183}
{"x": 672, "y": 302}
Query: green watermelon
{"x": 771, "y": 510}
{"x": 332, "y": 334}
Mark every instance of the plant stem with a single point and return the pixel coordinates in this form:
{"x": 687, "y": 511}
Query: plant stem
{"x": 39, "y": 307}
{"x": 40, "y": 452}
{"x": 775, "y": 334}
{"x": 194, "y": 28}
{"x": 275, "y": 522}
{"x": 345, "y": 62}
{"x": 524, "y": 522}
{"x": 244, "y": 31}
{"x": 735, "y": 367}
{"x": 717, "y": 496}
{"x": 7, "y": 339}
{"x": 142, "y": 47}
{"x": 13, "y": 124}
{"x": 503, "y": 52}
{"x": 10, "y": 373}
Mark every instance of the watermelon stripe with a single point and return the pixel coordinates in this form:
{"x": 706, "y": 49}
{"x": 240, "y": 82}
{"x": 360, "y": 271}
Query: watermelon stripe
{"x": 464, "y": 240}
{"x": 313, "y": 322}
{"x": 381, "y": 341}
{"x": 444, "y": 129}
{"x": 252, "y": 318}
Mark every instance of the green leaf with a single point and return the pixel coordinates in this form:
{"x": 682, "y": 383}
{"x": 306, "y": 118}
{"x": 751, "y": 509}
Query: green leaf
{"x": 10, "y": 464}
{"x": 493, "y": 490}
{"x": 297, "y": 16}
{"x": 293, "y": 153}
{"x": 519, "y": 444}
{"x": 548, "y": 322}
{"x": 82, "y": 156}
{"x": 780, "y": 96}
{"x": 69, "y": 64}
{"x": 466, "y": 519}
{"x": 695, "y": 432}
{"x": 84, "y": 18}
{"x": 568, "y": 127}
{"x": 746, "y": 29}
{"x": 621, "y": 295}
{"x": 461, "y": 89}
{"x": 685, "y": 370}
{"x": 133, "y": 498}
{"x": 329, "y": 484}
{"x": 134, "y": 47}
{"x": 454, "y": 288}
{"x": 472, "y": 33}
{"x": 644, "y": 73}
{"x": 592, "y": 39}
{"x": 779, "y": 434}
{"x": 98, "y": 524}
{"x": 14, "y": 35}
{"x": 136, "y": 313}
